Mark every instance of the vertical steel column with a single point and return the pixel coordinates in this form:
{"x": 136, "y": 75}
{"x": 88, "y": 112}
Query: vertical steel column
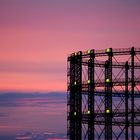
{"x": 75, "y": 96}
{"x": 108, "y": 95}
{"x": 72, "y": 126}
{"x": 78, "y": 95}
{"x": 126, "y": 100}
{"x": 132, "y": 90}
{"x": 91, "y": 96}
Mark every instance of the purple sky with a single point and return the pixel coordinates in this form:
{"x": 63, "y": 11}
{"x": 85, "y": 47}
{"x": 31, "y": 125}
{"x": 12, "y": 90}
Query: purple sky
{"x": 35, "y": 113}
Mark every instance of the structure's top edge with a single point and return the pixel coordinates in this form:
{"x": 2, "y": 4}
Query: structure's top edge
{"x": 100, "y": 63}
{"x": 105, "y": 52}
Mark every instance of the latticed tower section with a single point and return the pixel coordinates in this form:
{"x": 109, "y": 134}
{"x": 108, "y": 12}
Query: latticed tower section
{"x": 103, "y": 100}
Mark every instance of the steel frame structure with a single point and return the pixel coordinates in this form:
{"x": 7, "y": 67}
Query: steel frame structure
{"x": 103, "y": 94}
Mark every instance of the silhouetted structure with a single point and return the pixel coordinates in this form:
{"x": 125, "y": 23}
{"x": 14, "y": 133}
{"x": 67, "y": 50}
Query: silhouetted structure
{"x": 104, "y": 94}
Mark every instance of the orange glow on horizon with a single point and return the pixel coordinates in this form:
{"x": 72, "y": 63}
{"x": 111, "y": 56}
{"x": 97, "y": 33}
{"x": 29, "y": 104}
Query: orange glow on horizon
{"x": 30, "y": 82}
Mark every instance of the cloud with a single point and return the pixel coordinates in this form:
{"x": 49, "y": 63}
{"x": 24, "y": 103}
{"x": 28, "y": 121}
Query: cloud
{"x": 31, "y": 99}
{"x": 34, "y": 136}
{"x": 2, "y": 114}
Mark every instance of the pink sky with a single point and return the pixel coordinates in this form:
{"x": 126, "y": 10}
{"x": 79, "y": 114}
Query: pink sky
{"x": 37, "y": 35}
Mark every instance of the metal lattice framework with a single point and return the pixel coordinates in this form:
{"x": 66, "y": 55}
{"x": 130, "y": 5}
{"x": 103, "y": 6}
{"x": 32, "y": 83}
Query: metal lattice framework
{"x": 104, "y": 94}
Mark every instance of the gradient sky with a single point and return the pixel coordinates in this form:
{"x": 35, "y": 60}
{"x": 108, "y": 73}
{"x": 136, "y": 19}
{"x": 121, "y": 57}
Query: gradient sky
{"x": 36, "y": 37}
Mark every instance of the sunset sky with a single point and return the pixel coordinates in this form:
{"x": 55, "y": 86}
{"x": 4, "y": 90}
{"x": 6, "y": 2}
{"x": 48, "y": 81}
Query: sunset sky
{"x": 36, "y": 37}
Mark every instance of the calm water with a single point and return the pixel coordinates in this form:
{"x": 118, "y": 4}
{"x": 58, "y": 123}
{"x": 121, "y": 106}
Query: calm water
{"x": 33, "y": 116}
